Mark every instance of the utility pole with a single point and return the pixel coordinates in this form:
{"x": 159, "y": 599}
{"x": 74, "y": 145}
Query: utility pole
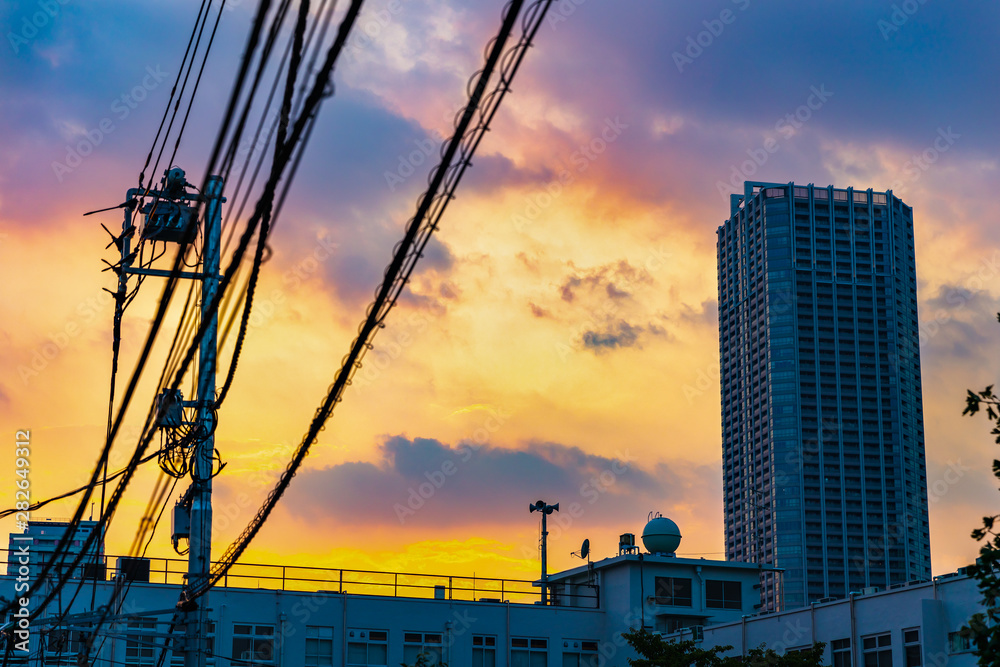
{"x": 169, "y": 217}
{"x": 200, "y": 554}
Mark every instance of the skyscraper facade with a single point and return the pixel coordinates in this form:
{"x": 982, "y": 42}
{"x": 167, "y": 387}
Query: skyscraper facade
{"x": 822, "y": 417}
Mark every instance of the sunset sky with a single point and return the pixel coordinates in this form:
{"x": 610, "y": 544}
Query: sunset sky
{"x": 560, "y": 339}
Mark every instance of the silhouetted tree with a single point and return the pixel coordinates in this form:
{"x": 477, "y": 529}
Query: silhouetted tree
{"x": 983, "y": 628}
{"x": 424, "y": 661}
{"x": 657, "y": 652}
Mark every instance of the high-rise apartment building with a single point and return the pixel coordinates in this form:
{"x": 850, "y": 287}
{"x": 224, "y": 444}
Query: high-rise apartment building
{"x": 822, "y": 418}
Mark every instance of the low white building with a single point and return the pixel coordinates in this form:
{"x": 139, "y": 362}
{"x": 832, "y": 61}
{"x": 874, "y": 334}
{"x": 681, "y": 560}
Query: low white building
{"x": 284, "y": 615}
{"x": 909, "y": 625}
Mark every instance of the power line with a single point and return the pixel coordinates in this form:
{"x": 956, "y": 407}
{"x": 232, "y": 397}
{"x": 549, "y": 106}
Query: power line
{"x": 60, "y": 551}
{"x": 398, "y": 271}
{"x": 173, "y": 90}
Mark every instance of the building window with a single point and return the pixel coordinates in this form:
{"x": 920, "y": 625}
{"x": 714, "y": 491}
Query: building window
{"x": 674, "y": 591}
{"x": 178, "y": 640}
{"x": 959, "y": 642}
{"x": 877, "y": 650}
{"x": 580, "y": 654}
{"x": 911, "y": 647}
{"x": 527, "y": 652}
{"x": 62, "y": 646}
{"x": 841, "y": 652}
{"x": 427, "y": 644}
{"x": 253, "y": 644}
{"x": 484, "y": 651}
{"x": 139, "y": 649}
{"x": 723, "y": 594}
{"x": 367, "y": 647}
{"x": 319, "y": 646}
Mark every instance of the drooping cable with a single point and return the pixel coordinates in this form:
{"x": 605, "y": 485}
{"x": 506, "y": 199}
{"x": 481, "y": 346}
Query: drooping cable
{"x": 280, "y": 147}
{"x": 60, "y": 551}
{"x": 69, "y": 494}
{"x": 173, "y": 91}
{"x": 200, "y": 29}
{"x": 197, "y": 81}
{"x": 385, "y": 298}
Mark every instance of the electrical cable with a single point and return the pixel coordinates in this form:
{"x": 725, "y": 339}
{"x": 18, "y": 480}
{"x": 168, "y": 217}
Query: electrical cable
{"x": 235, "y": 213}
{"x": 163, "y": 501}
{"x": 173, "y": 90}
{"x": 280, "y": 147}
{"x": 60, "y": 550}
{"x": 229, "y": 157}
{"x": 197, "y": 81}
{"x": 402, "y": 263}
{"x": 203, "y": 12}
{"x": 42, "y": 503}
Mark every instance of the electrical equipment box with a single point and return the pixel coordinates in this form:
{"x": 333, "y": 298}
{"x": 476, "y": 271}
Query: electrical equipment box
{"x": 170, "y": 409}
{"x": 180, "y": 523}
{"x": 167, "y": 220}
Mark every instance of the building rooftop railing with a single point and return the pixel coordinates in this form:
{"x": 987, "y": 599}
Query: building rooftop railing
{"x": 173, "y": 571}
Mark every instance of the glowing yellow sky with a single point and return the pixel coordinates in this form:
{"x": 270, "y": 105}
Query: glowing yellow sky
{"x": 542, "y": 247}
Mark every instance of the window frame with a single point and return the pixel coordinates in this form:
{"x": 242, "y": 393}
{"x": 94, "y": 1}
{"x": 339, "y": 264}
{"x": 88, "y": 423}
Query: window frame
{"x": 486, "y": 645}
{"x": 531, "y": 646}
{"x": 840, "y": 648}
{"x": 254, "y": 635}
{"x": 583, "y": 650}
{"x": 316, "y": 633}
{"x": 912, "y": 643}
{"x": 879, "y": 649}
{"x": 425, "y": 644}
{"x": 728, "y": 599}
{"x": 673, "y": 599}
{"x": 364, "y": 635}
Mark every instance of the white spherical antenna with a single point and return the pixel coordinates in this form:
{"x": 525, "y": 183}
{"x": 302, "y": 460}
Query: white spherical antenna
{"x": 661, "y": 535}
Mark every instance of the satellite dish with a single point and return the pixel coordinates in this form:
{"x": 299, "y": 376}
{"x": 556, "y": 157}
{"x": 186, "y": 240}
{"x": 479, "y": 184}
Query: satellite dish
{"x": 585, "y": 549}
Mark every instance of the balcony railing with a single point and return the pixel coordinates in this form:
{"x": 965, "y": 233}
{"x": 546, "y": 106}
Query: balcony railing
{"x": 173, "y": 571}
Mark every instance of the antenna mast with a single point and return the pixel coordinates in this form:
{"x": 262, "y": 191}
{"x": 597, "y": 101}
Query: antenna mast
{"x": 540, "y": 506}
